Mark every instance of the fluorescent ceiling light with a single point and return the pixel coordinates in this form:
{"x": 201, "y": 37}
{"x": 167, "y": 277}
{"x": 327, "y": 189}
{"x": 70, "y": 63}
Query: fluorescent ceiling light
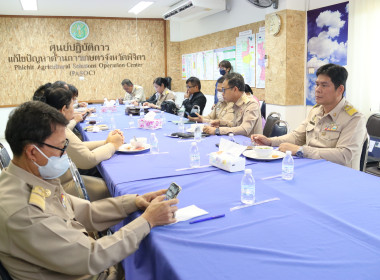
{"x": 142, "y": 5}
{"x": 29, "y": 5}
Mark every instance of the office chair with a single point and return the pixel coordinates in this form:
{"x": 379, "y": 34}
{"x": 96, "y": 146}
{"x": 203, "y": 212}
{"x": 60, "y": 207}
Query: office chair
{"x": 4, "y": 157}
{"x": 79, "y": 184}
{"x": 372, "y": 163}
{"x": 4, "y": 275}
{"x": 279, "y": 128}
{"x": 263, "y": 109}
{"x": 363, "y": 156}
{"x": 271, "y": 119}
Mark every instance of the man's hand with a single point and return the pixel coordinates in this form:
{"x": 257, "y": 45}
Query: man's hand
{"x": 196, "y": 119}
{"x": 261, "y": 140}
{"x": 115, "y": 137}
{"x": 78, "y": 118}
{"x": 288, "y": 147}
{"x": 82, "y": 104}
{"x": 143, "y": 201}
{"x": 161, "y": 212}
{"x": 215, "y": 123}
{"x": 135, "y": 103}
{"x": 145, "y": 104}
{"x": 209, "y": 130}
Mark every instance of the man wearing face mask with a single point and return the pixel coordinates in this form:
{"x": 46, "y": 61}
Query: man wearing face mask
{"x": 222, "y": 110}
{"x": 44, "y": 230}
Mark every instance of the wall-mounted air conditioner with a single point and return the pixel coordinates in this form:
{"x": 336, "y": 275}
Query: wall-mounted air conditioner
{"x": 194, "y": 9}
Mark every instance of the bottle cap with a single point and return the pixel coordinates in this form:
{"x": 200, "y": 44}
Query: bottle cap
{"x": 193, "y": 143}
{"x": 153, "y": 134}
{"x": 248, "y": 171}
{"x": 288, "y": 152}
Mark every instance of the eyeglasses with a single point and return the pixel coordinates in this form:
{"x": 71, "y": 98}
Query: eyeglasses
{"x": 61, "y": 149}
{"x": 224, "y": 89}
{"x": 190, "y": 87}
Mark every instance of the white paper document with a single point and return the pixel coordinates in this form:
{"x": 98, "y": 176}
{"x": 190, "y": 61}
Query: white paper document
{"x": 231, "y": 147}
{"x": 189, "y": 212}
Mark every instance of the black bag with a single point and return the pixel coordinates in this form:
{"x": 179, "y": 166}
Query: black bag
{"x": 169, "y": 107}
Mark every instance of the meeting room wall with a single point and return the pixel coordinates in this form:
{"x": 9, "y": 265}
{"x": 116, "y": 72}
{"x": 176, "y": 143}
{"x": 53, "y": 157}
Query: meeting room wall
{"x": 221, "y": 39}
{"x": 37, "y": 50}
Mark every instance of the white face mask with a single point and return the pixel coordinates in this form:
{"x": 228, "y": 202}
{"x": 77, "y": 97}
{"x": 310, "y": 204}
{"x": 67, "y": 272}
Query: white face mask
{"x": 55, "y": 167}
{"x": 220, "y": 96}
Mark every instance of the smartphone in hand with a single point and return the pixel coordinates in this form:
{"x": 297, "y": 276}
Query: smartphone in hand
{"x": 172, "y": 191}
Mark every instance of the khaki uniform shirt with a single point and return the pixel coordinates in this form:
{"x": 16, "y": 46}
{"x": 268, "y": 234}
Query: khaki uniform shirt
{"x": 337, "y": 136}
{"x": 167, "y": 94}
{"x": 43, "y": 232}
{"x": 87, "y": 154}
{"x": 137, "y": 94}
{"x": 71, "y": 125}
{"x": 247, "y": 118}
{"x": 221, "y": 111}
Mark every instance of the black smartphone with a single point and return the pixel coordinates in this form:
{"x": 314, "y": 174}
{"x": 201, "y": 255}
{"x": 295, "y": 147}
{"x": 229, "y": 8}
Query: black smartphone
{"x": 172, "y": 191}
{"x": 84, "y": 116}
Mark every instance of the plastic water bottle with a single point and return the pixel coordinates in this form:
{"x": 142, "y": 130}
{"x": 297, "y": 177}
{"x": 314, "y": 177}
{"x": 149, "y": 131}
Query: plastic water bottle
{"x": 181, "y": 125}
{"x": 117, "y": 102}
{"x": 195, "y": 157}
{"x": 142, "y": 113}
{"x": 163, "y": 117}
{"x": 153, "y": 143}
{"x": 131, "y": 121}
{"x": 231, "y": 137}
{"x": 248, "y": 188}
{"x": 197, "y": 133}
{"x": 288, "y": 166}
{"x": 113, "y": 123}
{"x": 181, "y": 111}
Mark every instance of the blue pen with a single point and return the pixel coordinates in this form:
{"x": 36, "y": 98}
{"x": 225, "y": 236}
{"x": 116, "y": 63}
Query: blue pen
{"x": 207, "y": 219}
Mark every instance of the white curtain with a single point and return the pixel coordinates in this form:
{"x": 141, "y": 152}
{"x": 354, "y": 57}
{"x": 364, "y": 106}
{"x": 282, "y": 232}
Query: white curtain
{"x": 363, "y": 84}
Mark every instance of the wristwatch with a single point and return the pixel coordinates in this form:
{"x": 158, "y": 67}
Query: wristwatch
{"x": 217, "y": 131}
{"x": 299, "y": 152}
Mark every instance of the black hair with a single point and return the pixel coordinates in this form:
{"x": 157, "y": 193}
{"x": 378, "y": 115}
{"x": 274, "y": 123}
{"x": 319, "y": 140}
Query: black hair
{"x": 58, "y": 97}
{"x": 226, "y": 64}
{"x": 73, "y": 90}
{"x": 194, "y": 81}
{"x": 39, "y": 94}
{"x": 59, "y": 84}
{"x": 220, "y": 80}
{"x": 127, "y": 82}
{"x": 159, "y": 81}
{"x": 31, "y": 122}
{"x": 235, "y": 80}
{"x": 337, "y": 74}
{"x": 247, "y": 88}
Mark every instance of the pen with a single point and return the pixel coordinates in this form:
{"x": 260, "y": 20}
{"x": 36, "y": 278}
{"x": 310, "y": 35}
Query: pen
{"x": 207, "y": 219}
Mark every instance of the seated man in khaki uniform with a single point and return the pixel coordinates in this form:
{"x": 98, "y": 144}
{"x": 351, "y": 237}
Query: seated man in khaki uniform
{"x": 44, "y": 230}
{"x": 333, "y": 130}
{"x": 247, "y": 116}
{"x": 221, "y": 111}
{"x": 134, "y": 94}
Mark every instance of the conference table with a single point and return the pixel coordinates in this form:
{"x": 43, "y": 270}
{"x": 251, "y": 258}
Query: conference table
{"x": 323, "y": 224}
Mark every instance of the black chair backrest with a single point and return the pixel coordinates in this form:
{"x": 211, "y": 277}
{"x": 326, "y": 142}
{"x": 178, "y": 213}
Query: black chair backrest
{"x": 279, "y": 128}
{"x": 263, "y": 109}
{"x": 373, "y": 125}
{"x": 4, "y": 157}
{"x": 4, "y": 275}
{"x": 271, "y": 119}
{"x": 363, "y": 156}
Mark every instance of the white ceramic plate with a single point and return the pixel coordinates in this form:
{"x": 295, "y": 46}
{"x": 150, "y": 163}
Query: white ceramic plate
{"x": 253, "y": 155}
{"x": 128, "y": 149}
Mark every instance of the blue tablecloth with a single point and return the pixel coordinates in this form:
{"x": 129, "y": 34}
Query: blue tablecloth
{"x": 325, "y": 226}
{"x": 173, "y": 159}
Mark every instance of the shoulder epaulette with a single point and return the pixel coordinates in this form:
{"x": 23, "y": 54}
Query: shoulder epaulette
{"x": 350, "y": 110}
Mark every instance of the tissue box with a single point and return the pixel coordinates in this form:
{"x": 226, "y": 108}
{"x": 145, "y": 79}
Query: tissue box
{"x": 150, "y": 124}
{"x": 227, "y": 162}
